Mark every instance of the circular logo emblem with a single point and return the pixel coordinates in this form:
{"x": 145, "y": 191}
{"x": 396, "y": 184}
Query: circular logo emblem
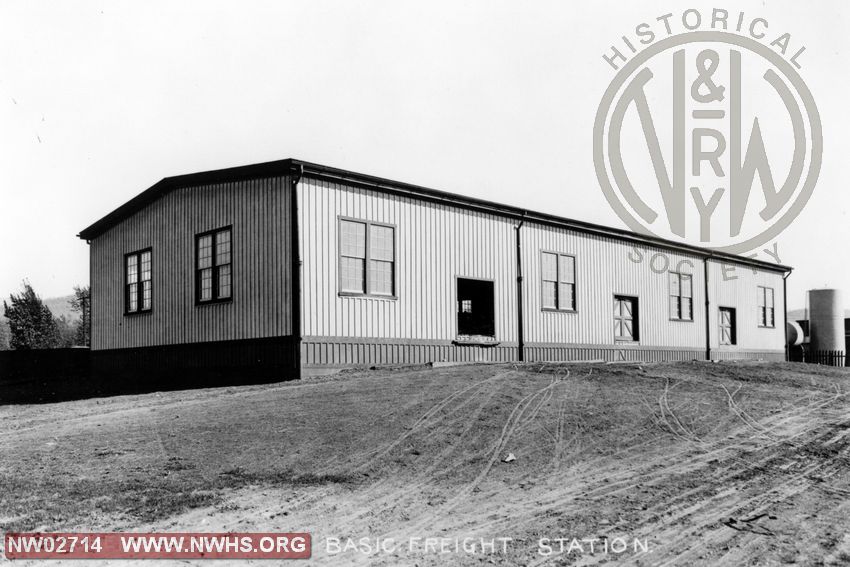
{"x": 708, "y": 137}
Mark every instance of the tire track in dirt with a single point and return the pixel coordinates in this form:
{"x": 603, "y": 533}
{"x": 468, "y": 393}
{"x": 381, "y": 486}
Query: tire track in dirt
{"x": 630, "y": 481}
{"x": 682, "y": 540}
{"x": 422, "y": 422}
{"x": 742, "y": 414}
{"x": 664, "y": 404}
{"x": 784, "y": 462}
{"x": 515, "y": 420}
{"x": 429, "y": 419}
{"x": 388, "y": 493}
{"x": 675, "y": 536}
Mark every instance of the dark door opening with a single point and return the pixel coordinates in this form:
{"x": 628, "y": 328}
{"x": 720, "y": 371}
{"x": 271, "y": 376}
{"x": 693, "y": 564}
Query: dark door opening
{"x": 475, "y": 308}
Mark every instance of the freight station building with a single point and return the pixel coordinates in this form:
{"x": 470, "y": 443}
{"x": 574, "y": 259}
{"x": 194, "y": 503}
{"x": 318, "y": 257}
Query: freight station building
{"x": 273, "y": 268}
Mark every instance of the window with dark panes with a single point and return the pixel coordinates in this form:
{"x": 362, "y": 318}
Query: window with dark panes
{"x": 213, "y": 267}
{"x": 765, "y": 307}
{"x": 681, "y": 297}
{"x": 138, "y": 283}
{"x": 558, "y": 277}
{"x": 366, "y": 258}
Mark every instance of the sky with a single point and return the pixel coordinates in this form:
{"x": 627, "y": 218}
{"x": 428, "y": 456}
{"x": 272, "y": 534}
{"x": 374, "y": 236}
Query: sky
{"x": 491, "y": 99}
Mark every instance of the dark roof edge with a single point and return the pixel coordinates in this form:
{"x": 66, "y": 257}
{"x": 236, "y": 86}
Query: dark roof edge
{"x": 162, "y": 187}
{"x": 286, "y": 166}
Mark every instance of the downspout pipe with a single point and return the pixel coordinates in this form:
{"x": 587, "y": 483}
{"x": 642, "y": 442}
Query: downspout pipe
{"x": 785, "y": 277}
{"x": 707, "y": 309}
{"x": 519, "y": 325}
{"x": 295, "y": 278}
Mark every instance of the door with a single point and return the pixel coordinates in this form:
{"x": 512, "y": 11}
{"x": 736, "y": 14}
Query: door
{"x": 625, "y": 318}
{"x": 727, "y": 326}
{"x": 475, "y": 308}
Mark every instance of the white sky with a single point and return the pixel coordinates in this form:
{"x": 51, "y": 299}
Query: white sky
{"x": 99, "y": 100}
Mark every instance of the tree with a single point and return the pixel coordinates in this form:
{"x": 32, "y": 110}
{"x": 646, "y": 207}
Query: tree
{"x": 4, "y": 334}
{"x": 82, "y": 305}
{"x": 31, "y": 323}
{"x": 66, "y": 332}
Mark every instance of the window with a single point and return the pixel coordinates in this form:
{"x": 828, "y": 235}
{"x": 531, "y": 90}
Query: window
{"x": 558, "y": 273}
{"x": 476, "y": 313}
{"x": 727, "y": 326}
{"x": 625, "y": 318}
{"x": 138, "y": 286}
{"x": 765, "y": 307}
{"x": 681, "y": 297}
{"x": 213, "y": 266}
{"x": 366, "y": 258}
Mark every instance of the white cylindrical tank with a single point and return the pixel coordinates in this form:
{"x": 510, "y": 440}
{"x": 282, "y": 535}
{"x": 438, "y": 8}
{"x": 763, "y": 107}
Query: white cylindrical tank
{"x": 795, "y": 333}
{"x": 826, "y": 319}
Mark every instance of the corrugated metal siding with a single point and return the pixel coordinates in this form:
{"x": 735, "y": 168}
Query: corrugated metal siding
{"x": 434, "y": 245}
{"x": 258, "y": 210}
{"x": 605, "y": 267}
{"x": 737, "y": 288}
{"x": 437, "y": 243}
{"x": 550, "y": 352}
{"x": 346, "y": 351}
{"x": 738, "y": 354}
{"x": 196, "y": 363}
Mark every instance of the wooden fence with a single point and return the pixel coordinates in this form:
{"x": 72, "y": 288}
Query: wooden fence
{"x": 44, "y": 375}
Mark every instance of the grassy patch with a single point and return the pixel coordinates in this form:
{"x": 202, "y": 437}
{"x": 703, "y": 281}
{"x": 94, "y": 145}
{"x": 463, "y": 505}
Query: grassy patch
{"x": 135, "y": 500}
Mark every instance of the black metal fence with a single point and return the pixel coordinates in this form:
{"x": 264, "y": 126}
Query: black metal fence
{"x": 823, "y": 357}
{"x": 827, "y": 357}
{"x": 802, "y": 353}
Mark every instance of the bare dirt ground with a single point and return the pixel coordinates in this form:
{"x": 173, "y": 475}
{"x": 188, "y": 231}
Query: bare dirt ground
{"x": 706, "y": 463}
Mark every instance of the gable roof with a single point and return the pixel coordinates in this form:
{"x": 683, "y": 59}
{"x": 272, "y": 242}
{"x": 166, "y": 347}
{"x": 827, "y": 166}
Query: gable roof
{"x": 322, "y": 172}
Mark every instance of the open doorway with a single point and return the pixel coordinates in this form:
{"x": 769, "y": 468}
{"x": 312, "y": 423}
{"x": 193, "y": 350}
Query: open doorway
{"x": 475, "y": 308}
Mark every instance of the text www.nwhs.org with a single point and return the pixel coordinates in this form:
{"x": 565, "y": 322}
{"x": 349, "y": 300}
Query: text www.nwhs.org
{"x": 157, "y": 546}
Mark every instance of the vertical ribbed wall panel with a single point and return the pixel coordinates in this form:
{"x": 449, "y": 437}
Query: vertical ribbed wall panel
{"x": 737, "y": 287}
{"x": 435, "y": 244}
{"x": 605, "y": 267}
{"x": 258, "y": 210}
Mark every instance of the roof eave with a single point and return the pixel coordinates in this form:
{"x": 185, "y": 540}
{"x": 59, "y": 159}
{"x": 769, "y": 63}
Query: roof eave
{"x": 286, "y": 166}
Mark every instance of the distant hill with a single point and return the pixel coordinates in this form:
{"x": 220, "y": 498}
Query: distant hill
{"x": 61, "y": 306}
{"x": 800, "y": 314}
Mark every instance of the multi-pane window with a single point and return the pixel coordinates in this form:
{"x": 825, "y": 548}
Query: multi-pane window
{"x": 138, "y": 286}
{"x": 213, "y": 267}
{"x": 727, "y": 325}
{"x": 558, "y": 273}
{"x": 352, "y": 256}
{"x": 625, "y": 318}
{"x": 681, "y": 297}
{"x": 765, "y": 307}
{"x": 366, "y": 258}
{"x": 381, "y": 258}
